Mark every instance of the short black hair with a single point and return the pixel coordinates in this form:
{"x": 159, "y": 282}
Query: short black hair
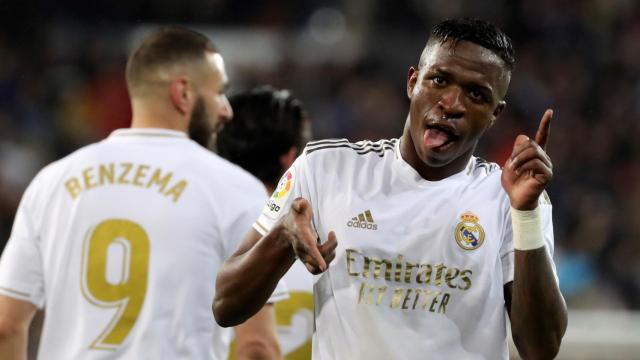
{"x": 165, "y": 47}
{"x": 479, "y": 32}
{"x": 266, "y": 124}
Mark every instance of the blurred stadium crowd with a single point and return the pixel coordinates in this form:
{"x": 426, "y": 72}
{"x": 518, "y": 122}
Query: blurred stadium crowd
{"x": 62, "y": 86}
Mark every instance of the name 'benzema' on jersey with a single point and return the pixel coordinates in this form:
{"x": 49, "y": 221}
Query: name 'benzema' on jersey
{"x": 126, "y": 173}
{"x": 430, "y": 278}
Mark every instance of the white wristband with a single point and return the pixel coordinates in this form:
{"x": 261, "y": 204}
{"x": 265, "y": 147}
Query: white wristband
{"x": 527, "y": 229}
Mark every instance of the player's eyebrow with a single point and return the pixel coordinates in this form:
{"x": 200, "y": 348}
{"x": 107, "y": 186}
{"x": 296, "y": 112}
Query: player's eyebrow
{"x": 480, "y": 85}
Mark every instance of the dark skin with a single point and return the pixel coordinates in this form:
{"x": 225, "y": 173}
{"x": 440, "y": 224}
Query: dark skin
{"x": 458, "y": 91}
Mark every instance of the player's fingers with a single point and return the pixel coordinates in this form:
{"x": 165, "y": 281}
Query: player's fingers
{"x": 537, "y": 168}
{"x": 328, "y": 258}
{"x": 301, "y": 206}
{"x": 521, "y": 143}
{"x": 308, "y": 252}
{"x": 328, "y": 249}
{"x": 544, "y": 130}
{"x": 311, "y": 268}
{"x": 532, "y": 152}
{"x": 330, "y": 245}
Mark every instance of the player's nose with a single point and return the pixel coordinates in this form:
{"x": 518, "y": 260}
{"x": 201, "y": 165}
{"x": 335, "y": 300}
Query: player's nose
{"x": 226, "y": 112}
{"x": 451, "y": 103}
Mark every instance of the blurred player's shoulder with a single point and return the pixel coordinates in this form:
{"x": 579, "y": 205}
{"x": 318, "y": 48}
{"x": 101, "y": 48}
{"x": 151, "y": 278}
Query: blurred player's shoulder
{"x": 343, "y": 146}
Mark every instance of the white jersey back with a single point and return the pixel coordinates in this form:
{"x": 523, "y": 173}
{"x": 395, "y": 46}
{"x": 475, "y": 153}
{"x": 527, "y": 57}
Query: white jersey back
{"x": 121, "y": 242}
{"x": 420, "y": 265}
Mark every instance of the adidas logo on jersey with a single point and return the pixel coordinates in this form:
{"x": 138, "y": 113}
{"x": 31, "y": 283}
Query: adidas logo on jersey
{"x": 364, "y": 220}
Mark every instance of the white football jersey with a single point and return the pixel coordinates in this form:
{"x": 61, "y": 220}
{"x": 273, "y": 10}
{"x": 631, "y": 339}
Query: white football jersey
{"x": 121, "y": 242}
{"x": 420, "y": 265}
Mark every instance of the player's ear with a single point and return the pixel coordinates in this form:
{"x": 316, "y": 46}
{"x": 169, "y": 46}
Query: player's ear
{"x": 181, "y": 95}
{"x": 497, "y": 111}
{"x": 287, "y": 159}
{"x": 412, "y": 79}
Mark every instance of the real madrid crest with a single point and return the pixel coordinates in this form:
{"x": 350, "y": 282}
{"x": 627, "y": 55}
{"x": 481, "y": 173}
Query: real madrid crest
{"x": 469, "y": 233}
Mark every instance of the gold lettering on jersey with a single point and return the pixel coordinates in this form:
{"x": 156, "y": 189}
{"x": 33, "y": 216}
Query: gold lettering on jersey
{"x": 350, "y": 260}
{"x": 398, "y": 266}
{"x": 395, "y": 299}
{"x": 402, "y": 298}
{"x": 439, "y": 269}
{"x": 160, "y": 179}
{"x": 451, "y": 274}
{"x": 125, "y": 168}
{"x": 377, "y": 267}
{"x": 74, "y": 187}
{"x": 89, "y": 181}
{"x": 177, "y": 190}
{"x": 138, "y": 175}
{"x": 439, "y": 275}
{"x": 464, "y": 276}
{"x": 432, "y": 282}
{"x": 424, "y": 274}
{"x": 105, "y": 173}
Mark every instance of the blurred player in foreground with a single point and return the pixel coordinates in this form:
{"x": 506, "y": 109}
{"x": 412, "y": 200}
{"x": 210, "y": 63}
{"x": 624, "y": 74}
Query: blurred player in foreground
{"x": 269, "y": 130}
{"x": 121, "y": 240}
{"x": 434, "y": 243}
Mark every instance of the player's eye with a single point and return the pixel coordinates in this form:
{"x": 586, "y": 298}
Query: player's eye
{"x": 438, "y": 80}
{"x": 477, "y": 95}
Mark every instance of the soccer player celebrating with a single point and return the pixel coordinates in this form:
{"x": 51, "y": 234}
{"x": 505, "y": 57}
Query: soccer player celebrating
{"x": 434, "y": 243}
{"x": 269, "y": 130}
{"x": 121, "y": 240}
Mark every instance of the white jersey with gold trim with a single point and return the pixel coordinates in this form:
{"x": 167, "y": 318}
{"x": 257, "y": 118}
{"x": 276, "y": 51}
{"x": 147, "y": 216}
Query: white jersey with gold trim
{"x": 121, "y": 242}
{"x": 420, "y": 265}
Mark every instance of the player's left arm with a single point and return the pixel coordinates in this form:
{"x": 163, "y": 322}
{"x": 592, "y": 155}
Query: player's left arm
{"x": 256, "y": 338}
{"x": 536, "y": 307}
{"x": 15, "y": 317}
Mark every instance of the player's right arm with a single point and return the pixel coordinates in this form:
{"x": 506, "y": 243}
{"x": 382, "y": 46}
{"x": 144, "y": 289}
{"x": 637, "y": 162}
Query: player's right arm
{"x": 15, "y": 317}
{"x": 247, "y": 279}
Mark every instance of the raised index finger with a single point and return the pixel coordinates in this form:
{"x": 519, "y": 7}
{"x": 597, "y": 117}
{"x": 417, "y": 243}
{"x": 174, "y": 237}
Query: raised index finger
{"x": 544, "y": 130}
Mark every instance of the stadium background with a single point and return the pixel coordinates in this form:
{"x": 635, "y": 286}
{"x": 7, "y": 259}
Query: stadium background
{"x": 62, "y": 86}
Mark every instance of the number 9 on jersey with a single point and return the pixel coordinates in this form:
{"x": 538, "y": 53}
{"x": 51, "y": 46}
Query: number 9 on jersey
{"x": 126, "y": 293}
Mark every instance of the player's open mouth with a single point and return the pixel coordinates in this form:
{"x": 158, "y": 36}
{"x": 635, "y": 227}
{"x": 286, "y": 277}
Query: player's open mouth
{"x": 439, "y": 137}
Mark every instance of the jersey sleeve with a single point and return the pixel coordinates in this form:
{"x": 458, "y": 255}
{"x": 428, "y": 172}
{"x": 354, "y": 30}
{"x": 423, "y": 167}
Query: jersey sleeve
{"x": 507, "y": 250}
{"x": 294, "y": 183}
{"x": 21, "y": 267}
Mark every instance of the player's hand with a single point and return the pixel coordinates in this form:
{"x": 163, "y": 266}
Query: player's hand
{"x": 304, "y": 240}
{"x": 529, "y": 169}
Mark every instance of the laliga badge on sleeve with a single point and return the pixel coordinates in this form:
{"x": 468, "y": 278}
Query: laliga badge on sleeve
{"x": 281, "y": 194}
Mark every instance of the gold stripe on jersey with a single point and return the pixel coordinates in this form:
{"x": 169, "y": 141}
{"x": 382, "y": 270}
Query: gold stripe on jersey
{"x": 15, "y": 292}
{"x": 126, "y": 173}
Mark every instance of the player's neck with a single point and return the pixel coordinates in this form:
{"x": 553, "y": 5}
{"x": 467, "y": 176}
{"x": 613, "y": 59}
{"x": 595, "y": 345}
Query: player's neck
{"x": 150, "y": 115}
{"x": 430, "y": 173}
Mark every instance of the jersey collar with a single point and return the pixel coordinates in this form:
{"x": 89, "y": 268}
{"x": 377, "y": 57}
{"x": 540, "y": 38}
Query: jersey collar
{"x": 149, "y": 132}
{"x": 409, "y": 174}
